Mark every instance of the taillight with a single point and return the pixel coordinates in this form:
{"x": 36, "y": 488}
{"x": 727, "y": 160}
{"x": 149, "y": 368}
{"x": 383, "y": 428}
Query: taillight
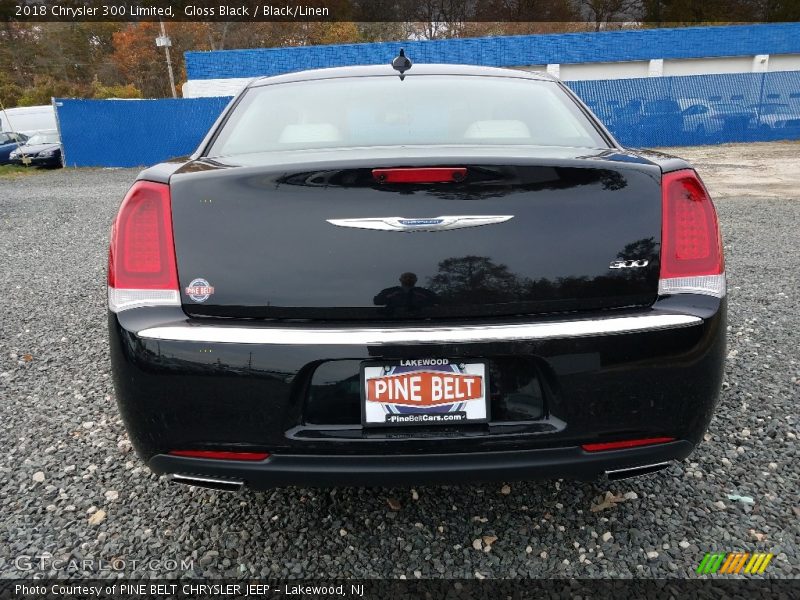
{"x": 221, "y": 454}
{"x": 141, "y": 257}
{"x": 420, "y": 175}
{"x": 691, "y": 245}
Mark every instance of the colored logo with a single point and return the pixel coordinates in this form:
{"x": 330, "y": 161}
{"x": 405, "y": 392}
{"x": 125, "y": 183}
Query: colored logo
{"x": 733, "y": 563}
{"x": 199, "y": 290}
{"x": 430, "y": 387}
{"x": 424, "y": 389}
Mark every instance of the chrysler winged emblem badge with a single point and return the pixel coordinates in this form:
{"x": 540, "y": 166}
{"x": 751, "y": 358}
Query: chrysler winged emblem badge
{"x": 421, "y": 224}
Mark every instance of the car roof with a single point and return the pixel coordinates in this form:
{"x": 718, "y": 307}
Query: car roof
{"x": 386, "y": 70}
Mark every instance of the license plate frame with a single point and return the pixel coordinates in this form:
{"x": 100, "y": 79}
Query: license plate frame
{"x": 476, "y": 412}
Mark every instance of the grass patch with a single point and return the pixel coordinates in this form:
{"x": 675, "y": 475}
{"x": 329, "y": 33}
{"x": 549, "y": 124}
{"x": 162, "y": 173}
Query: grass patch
{"x": 14, "y": 171}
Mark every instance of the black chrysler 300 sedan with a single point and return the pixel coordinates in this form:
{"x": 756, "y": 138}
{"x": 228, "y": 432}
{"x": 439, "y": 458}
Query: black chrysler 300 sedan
{"x": 448, "y": 274}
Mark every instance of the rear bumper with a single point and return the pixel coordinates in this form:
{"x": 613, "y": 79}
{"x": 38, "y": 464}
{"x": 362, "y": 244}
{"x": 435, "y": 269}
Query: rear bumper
{"x": 372, "y": 470}
{"x": 189, "y": 384}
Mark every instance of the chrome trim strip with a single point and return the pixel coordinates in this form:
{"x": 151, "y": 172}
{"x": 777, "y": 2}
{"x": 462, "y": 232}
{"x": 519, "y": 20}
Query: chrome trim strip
{"x": 189, "y": 332}
{"x": 199, "y": 481}
{"x": 639, "y": 468}
{"x": 630, "y": 472}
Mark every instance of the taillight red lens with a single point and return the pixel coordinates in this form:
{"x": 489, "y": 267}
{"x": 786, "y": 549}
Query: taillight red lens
{"x": 420, "y": 175}
{"x": 221, "y": 454}
{"x": 626, "y": 444}
{"x": 690, "y": 240}
{"x": 142, "y": 252}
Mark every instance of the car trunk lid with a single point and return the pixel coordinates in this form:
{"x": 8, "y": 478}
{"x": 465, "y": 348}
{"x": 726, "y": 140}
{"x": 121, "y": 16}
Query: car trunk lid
{"x": 328, "y": 238}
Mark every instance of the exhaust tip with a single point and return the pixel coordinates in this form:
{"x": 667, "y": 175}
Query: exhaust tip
{"x": 211, "y": 483}
{"x": 618, "y": 474}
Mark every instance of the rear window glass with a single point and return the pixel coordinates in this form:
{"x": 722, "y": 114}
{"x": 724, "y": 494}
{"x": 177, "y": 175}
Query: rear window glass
{"x": 421, "y": 110}
{"x": 44, "y": 137}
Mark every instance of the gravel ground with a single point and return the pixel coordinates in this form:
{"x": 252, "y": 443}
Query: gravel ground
{"x": 71, "y": 488}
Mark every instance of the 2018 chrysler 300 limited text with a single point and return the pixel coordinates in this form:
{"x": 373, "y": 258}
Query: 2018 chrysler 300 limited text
{"x": 387, "y": 275}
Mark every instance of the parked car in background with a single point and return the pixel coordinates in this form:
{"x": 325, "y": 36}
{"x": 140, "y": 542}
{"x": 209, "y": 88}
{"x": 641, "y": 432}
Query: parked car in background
{"x": 696, "y": 117}
{"x": 560, "y": 313}
{"x": 703, "y": 118}
{"x": 10, "y": 141}
{"x": 647, "y": 122}
{"x": 734, "y": 116}
{"x": 774, "y": 115}
{"x": 626, "y": 116}
{"x": 42, "y": 149}
{"x": 661, "y": 122}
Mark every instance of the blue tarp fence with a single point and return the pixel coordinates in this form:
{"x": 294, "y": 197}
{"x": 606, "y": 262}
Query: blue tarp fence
{"x": 646, "y": 112}
{"x": 131, "y": 133}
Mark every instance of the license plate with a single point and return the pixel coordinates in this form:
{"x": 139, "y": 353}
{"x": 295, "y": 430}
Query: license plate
{"x": 424, "y": 392}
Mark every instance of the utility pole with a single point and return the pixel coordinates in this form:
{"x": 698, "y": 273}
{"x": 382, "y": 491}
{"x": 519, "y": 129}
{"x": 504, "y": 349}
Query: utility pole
{"x": 163, "y": 41}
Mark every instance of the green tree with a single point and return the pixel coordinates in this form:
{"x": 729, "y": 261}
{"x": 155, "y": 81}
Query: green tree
{"x": 101, "y": 91}
{"x": 10, "y": 92}
{"x": 475, "y": 279}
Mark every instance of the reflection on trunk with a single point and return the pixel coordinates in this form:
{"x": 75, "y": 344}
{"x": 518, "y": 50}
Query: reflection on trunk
{"x": 472, "y": 279}
{"x": 406, "y": 299}
{"x": 468, "y": 279}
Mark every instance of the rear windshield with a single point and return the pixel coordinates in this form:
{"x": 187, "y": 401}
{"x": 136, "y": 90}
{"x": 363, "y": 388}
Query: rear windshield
{"x": 421, "y": 110}
{"x": 44, "y": 137}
